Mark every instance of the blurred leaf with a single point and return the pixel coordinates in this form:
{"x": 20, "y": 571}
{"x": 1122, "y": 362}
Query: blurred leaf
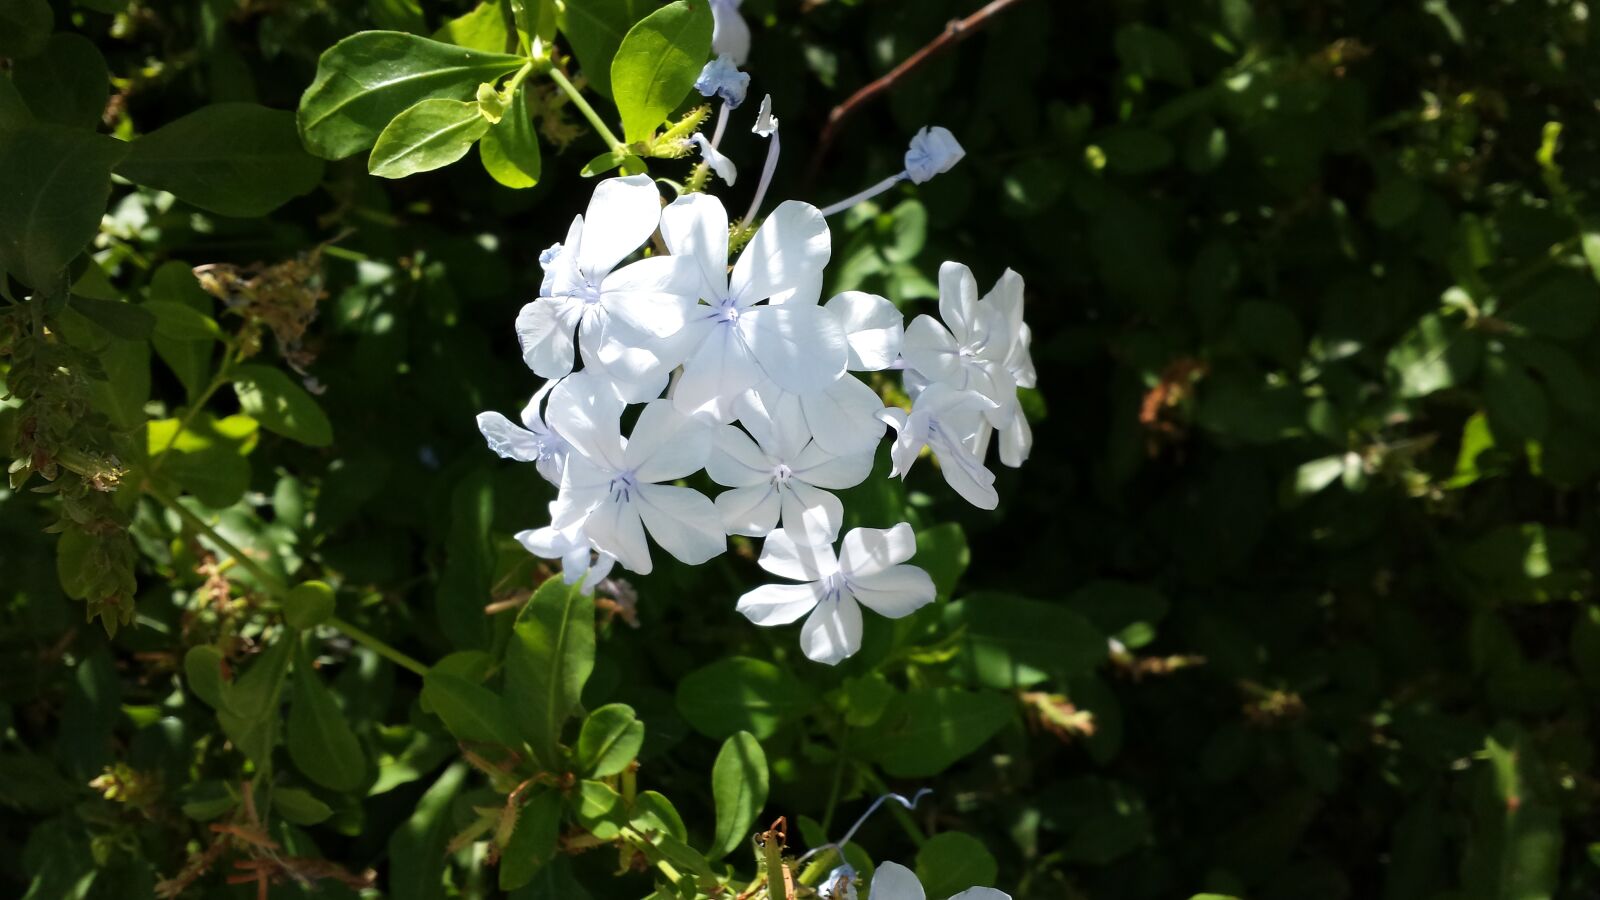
{"x": 740, "y": 694}
{"x": 308, "y": 604}
{"x": 251, "y": 719}
{"x": 1013, "y": 642}
{"x": 534, "y": 841}
{"x": 657, "y": 63}
{"x": 1434, "y": 355}
{"x": 471, "y": 711}
{"x": 953, "y": 861}
{"x": 484, "y": 28}
{"x": 54, "y": 182}
{"x": 65, "y": 84}
{"x": 214, "y": 158}
{"x": 417, "y": 848}
{"x": 24, "y": 27}
{"x": 299, "y": 806}
{"x": 926, "y": 731}
{"x": 739, "y": 789}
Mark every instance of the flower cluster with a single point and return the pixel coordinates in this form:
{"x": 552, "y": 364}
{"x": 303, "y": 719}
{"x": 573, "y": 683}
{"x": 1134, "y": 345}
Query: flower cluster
{"x": 742, "y": 372}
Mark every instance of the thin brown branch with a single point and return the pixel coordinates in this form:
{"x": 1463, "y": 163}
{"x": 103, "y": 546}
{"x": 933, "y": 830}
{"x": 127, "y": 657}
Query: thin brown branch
{"x": 954, "y": 33}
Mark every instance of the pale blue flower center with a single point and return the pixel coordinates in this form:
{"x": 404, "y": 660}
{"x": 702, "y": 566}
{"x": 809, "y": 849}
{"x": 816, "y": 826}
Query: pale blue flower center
{"x": 588, "y": 292}
{"x": 782, "y": 473}
{"x": 622, "y": 486}
{"x": 728, "y": 311}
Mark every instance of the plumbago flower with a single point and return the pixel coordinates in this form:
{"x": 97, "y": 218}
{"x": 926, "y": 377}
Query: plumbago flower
{"x": 742, "y": 373}
{"x": 869, "y": 570}
{"x": 893, "y": 881}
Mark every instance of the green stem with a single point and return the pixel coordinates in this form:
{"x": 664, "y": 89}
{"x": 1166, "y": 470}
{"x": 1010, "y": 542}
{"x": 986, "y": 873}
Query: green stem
{"x": 516, "y": 80}
{"x": 275, "y": 586}
{"x": 378, "y": 646}
{"x": 772, "y": 851}
{"x": 587, "y": 110}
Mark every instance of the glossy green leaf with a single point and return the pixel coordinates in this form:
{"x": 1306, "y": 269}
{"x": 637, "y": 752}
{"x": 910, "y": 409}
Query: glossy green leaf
{"x": 599, "y": 809}
{"x": 366, "y": 80}
{"x": 215, "y": 158}
{"x": 280, "y": 405}
{"x": 54, "y": 183}
{"x": 657, "y": 63}
{"x": 485, "y": 28}
{"x": 510, "y": 148}
{"x": 533, "y": 842}
{"x": 308, "y": 604}
{"x": 320, "y": 740}
{"x": 549, "y": 659}
{"x": 427, "y": 136}
{"x": 67, "y": 83}
{"x": 609, "y": 741}
{"x": 470, "y": 711}
{"x": 740, "y": 694}
{"x": 595, "y": 29}
{"x": 739, "y": 790}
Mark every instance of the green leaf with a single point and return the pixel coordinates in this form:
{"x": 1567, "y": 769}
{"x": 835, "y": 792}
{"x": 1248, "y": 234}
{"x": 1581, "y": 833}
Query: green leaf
{"x": 417, "y": 848}
{"x": 54, "y": 183}
{"x": 182, "y": 322}
{"x": 533, "y": 843}
{"x": 24, "y": 27}
{"x": 599, "y": 806}
{"x": 1591, "y": 252}
{"x": 926, "y": 731}
{"x": 469, "y": 562}
{"x": 484, "y": 28}
{"x": 740, "y": 694}
{"x": 67, "y": 84}
{"x": 14, "y": 112}
{"x": 471, "y": 711}
{"x": 739, "y": 789}
{"x": 368, "y": 79}
{"x": 271, "y": 398}
{"x": 954, "y": 861}
{"x": 320, "y": 740}
{"x": 943, "y": 553}
{"x": 216, "y": 158}
{"x": 427, "y": 136}
{"x": 510, "y": 149}
{"x": 308, "y": 604}
{"x": 190, "y": 360}
{"x": 657, "y": 64}
{"x": 1014, "y": 642}
{"x": 202, "y": 669}
{"x": 595, "y": 29}
{"x": 654, "y": 813}
{"x": 605, "y": 162}
{"x": 1436, "y": 354}
{"x": 216, "y": 475}
{"x": 1516, "y": 403}
{"x": 299, "y": 806}
{"x": 548, "y": 661}
{"x": 251, "y": 717}
{"x": 609, "y": 741}
{"x": 120, "y": 318}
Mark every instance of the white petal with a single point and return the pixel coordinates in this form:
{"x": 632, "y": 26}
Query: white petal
{"x": 932, "y": 351}
{"x": 958, "y": 300}
{"x": 817, "y": 466}
{"x": 736, "y": 461}
{"x": 801, "y": 348}
{"x": 586, "y": 412}
{"x": 869, "y": 550}
{"x": 782, "y": 556}
{"x": 722, "y": 165}
{"x": 683, "y": 521}
{"x": 507, "y": 440}
{"x": 544, "y": 331}
{"x": 666, "y": 444}
{"x": 909, "y": 440}
{"x": 811, "y": 511}
{"x": 893, "y": 881}
{"x": 532, "y": 415}
{"x": 943, "y": 403}
{"x": 785, "y": 257}
{"x": 575, "y": 563}
{"x": 844, "y": 418}
{"x": 965, "y": 473}
{"x": 778, "y": 604}
{"x": 832, "y": 632}
{"x": 1016, "y": 440}
{"x": 622, "y": 214}
{"x": 981, "y": 893}
{"x": 894, "y": 592}
{"x": 722, "y": 367}
{"x": 751, "y": 511}
{"x": 873, "y": 327}
{"x": 615, "y": 528}
{"x": 598, "y": 572}
{"x": 653, "y": 296}
{"x": 695, "y": 227}
{"x": 550, "y": 543}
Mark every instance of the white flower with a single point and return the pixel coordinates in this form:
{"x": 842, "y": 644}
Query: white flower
{"x": 721, "y": 78}
{"x": 719, "y": 163}
{"x": 575, "y": 551}
{"x": 613, "y": 312}
{"x": 1004, "y": 301}
{"x": 869, "y": 570}
{"x": 730, "y": 35}
{"x": 730, "y": 344}
{"x": 766, "y": 123}
{"x": 843, "y": 418}
{"x": 893, "y": 881}
{"x": 778, "y": 471}
{"x": 534, "y": 442}
{"x": 971, "y": 353}
{"x": 840, "y": 884}
{"x": 933, "y": 151}
{"x": 613, "y": 487}
{"x": 873, "y": 327}
{"x": 948, "y": 422}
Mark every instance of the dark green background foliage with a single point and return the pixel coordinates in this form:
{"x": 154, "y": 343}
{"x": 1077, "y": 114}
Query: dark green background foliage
{"x": 1314, "y": 294}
